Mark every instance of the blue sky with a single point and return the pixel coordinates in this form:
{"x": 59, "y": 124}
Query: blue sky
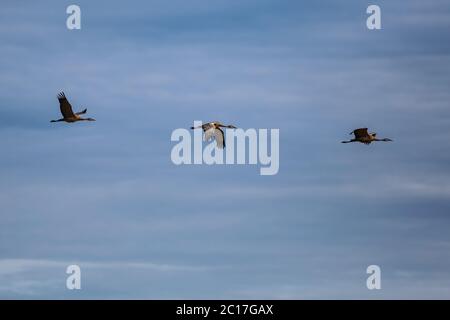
{"x": 107, "y": 197}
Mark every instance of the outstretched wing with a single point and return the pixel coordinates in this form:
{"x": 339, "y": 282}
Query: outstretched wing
{"x": 217, "y": 134}
{"x": 64, "y": 105}
{"x": 209, "y": 134}
{"x": 81, "y": 112}
{"x": 220, "y": 139}
{"x": 360, "y": 133}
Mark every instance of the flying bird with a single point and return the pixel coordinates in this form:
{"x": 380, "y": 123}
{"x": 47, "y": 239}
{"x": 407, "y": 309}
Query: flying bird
{"x": 212, "y": 130}
{"x": 363, "y": 136}
{"x": 67, "y": 112}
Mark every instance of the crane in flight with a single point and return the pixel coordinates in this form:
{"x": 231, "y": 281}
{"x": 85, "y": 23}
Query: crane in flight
{"x": 67, "y": 112}
{"x": 363, "y": 136}
{"x": 213, "y": 130}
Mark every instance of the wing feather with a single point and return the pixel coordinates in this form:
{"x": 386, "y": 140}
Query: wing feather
{"x": 209, "y": 134}
{"x": 360, "y": 133}
{"x": 64, "y": 105}
{"x": 217, "y": 134}
{"x": 220, "y": 139}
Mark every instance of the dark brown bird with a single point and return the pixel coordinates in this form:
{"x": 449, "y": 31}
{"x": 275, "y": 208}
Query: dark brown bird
{"x": 212, "y": 129}
{"x": 363, "y": 136}
{"x": 67, "y": 112}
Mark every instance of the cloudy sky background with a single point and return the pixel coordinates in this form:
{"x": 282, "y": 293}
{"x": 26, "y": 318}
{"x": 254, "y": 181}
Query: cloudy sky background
{"x": 107, "y": 197}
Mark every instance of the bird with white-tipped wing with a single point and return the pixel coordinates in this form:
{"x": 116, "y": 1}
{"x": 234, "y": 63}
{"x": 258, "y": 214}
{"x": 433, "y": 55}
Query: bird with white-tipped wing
{"x": 213, "y": 130}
